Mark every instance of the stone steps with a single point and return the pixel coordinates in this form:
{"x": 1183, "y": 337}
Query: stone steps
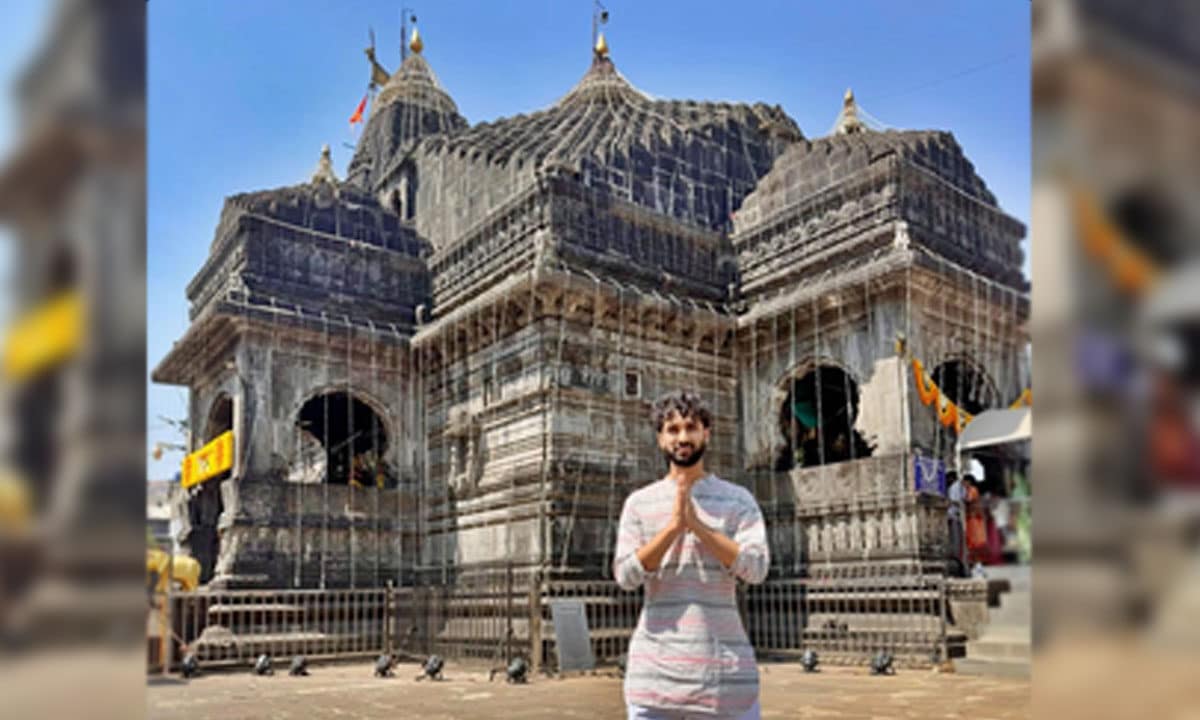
{"x": 1019, "y": 577}
{"x": 1001, "y": 645}
{"x": 1004, "y": 649}
{"x": 993, "y": 667}
{"x": 1015, "y": 611}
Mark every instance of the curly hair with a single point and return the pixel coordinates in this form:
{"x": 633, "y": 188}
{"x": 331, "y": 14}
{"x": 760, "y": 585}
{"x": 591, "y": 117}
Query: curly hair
{"x": 684, "y": 402}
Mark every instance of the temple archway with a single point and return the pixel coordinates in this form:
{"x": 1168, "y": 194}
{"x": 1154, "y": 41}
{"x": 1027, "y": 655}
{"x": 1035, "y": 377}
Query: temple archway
{"x": 352, "y": 436}
{"x": 970, "y": 388}
{"x": 816, "y": 419}
{"x": 220, "y": 417}
{"x": 966, "y": 385}
{"x": 206, "y": 503}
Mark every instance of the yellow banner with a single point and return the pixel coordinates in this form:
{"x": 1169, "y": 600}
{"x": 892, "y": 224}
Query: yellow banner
{"x": 209, "y": 461}
{"x": 45, "y": 336}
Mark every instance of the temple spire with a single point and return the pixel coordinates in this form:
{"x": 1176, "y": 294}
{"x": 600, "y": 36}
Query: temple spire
{"x": 848, "y": 121}
{"x": 324, "y": 171}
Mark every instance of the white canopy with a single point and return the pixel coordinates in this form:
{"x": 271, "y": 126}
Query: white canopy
{"x": 1174, "y": 297}
{"x": 996, "y": 427}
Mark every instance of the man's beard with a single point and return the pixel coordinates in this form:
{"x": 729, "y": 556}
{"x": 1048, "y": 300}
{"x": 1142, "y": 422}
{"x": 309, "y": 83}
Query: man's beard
{"x": 695, "y": 457}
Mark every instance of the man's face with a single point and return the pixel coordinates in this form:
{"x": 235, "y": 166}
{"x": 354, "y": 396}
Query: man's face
{"x": 683, "y": 440}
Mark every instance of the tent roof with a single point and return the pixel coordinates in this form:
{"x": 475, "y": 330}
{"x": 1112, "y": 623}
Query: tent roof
{"x": 1174, "y": 299}
{"x": 995, "y": 427}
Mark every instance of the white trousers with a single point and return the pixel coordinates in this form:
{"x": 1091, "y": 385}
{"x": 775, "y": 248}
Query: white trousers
{"x": 639, "y": 712}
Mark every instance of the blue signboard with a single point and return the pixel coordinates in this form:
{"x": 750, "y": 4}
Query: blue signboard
{"x": 929, "y": 475}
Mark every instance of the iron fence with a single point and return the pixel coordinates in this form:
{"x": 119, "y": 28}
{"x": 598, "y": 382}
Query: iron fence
{"x": 851, "y": 614}
{"x": 232, "y": 627}
{"x": 482, "y": 614}
{"x": 845, "y": 613}
{"x": 612, "y": 614}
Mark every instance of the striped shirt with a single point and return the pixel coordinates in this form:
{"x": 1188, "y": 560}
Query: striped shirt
{"x": 690, "y": 651}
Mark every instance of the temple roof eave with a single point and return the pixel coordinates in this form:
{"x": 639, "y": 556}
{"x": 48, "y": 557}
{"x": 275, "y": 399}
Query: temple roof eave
{"x": 179, "y": 365}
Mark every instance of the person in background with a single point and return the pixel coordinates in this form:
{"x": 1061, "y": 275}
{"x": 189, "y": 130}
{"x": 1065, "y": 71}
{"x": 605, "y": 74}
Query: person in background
{"x": 1002, "y": 517}
{"x": 1024, "y": 523}
{"x": 954, "y": 518}
{"x": 976, "y": 522}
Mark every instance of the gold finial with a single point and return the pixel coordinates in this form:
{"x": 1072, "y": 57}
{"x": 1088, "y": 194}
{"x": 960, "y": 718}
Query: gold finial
{"x": 416, "y": 44}
{"x": 601, "y": 46}
{"x": 848, "y": 99}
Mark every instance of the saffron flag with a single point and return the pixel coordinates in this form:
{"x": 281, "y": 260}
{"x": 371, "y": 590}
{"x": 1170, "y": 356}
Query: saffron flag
{"x": 358, "y": 113}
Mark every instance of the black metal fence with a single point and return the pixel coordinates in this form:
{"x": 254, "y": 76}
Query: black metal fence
{"x": 491, "y": 614}
{"x": 612, "y": 614}
{"x": 849, "y": 616}
{"x": 482, "y": 614}
{"x": 232, "y": 627}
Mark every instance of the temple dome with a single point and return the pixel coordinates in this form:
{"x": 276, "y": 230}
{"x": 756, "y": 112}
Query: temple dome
{"x": 415, "y": 83}
{"x": 690, "y": 160}
{"x": 412, "y": 105}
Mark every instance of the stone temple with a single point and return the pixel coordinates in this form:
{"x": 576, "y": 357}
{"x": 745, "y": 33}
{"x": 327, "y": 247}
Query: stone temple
{"x": 445, "y": 360}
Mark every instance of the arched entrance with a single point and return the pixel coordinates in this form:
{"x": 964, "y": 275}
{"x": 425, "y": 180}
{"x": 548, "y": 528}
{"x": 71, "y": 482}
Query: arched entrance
{"x": 965, "y": 385}
{"x": 206, "y": 504}
{"x": 352, "y": 438}
{"x": 969, "y": 387}
{"x": 817, "y": 419}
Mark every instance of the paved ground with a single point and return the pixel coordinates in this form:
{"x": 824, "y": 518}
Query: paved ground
{"x": 349, "y": 691}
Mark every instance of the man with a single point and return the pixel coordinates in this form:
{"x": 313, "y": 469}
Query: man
{"x": 975, "y": 524}
{"x": 954, "y": 517}
{"x": 689, "y": 537}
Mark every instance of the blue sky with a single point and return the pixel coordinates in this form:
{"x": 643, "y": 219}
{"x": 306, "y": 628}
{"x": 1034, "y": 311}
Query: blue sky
{"x": 243, "y": 95}
{"x": 21, "y": 25}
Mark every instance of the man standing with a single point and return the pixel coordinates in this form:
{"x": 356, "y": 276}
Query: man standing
{"x": 689, "y": 537}
{"x": 954, "y": 518}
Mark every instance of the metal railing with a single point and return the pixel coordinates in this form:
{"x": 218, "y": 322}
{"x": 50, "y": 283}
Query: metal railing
{"x": 846, "y": 613}
{"x": 482, "y": 614}
{"x": 849, "y": 615}
{"x": 612, "y": 614}
{"x": 232, "y": 627}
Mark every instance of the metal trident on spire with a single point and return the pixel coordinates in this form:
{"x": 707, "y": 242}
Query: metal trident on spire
{"x": 599, "y": 17}
{"x": 406, "y": 16}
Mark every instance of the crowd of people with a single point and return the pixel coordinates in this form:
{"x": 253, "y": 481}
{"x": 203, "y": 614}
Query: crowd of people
{"x": 987, "y": 529}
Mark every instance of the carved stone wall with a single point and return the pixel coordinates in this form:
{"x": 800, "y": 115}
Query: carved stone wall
{"x": 552, "y": 411}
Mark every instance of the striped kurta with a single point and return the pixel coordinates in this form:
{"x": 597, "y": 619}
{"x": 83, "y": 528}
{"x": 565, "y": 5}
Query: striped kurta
{"x": 690, "y": 651}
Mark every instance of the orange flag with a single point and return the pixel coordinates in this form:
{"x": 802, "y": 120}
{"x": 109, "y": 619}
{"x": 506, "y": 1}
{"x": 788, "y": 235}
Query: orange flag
{"x": 358, "y": 113}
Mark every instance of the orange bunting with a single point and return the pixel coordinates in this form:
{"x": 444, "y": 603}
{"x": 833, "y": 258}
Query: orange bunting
{"x": 1026, "y": 398}
{"x": 926, "y": 390}
{"x": 1129, "y": 268}
{"x": 948, "y": 414}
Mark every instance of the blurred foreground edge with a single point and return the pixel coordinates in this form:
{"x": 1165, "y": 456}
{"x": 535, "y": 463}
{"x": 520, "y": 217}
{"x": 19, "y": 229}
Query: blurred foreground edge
{"x": 1116, "y": 137}
{"x": 72, "y": 398}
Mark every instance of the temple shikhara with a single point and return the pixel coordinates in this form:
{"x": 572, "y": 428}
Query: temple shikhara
{"x": 439, "y": 365}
